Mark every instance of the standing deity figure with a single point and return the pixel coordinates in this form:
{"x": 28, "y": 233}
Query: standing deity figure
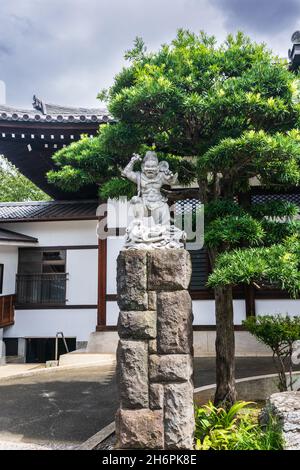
{"x": 151, "y": 226}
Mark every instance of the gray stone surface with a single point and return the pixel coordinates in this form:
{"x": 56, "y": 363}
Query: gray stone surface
{"x": 152, "y": 300}
{"x": 132, "y": 374}
{"x": 174, "y": 317}
{"x": 140, "y": 429}
{"x": 132, "y": 280}
{"x": 156, "y": 396}
{"x": 170, "y": 368}
{"x": 169, "y": 270}
{"x": 285, "y": 406}
{"x": 179, "y": 416}
{"x": 137, "y": 324}
{"x": 152, "y": 346}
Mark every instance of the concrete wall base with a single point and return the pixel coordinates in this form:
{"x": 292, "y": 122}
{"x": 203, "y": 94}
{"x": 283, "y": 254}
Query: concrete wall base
{"x": 204, "y": 344}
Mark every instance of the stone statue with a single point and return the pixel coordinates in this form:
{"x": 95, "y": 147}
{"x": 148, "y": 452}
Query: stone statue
{"x": 151, "y": 226}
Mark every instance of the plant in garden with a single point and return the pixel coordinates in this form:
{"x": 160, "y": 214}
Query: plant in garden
{"x": 278, "y": 333}
{"x": 235, "y": 429}
{"x": 223, "y": 116}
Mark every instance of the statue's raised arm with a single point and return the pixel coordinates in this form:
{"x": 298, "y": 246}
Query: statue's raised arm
{"x": 128, "y": 170}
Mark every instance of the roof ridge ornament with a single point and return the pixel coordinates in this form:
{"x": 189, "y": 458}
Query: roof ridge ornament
{"x": 39, "y": 104}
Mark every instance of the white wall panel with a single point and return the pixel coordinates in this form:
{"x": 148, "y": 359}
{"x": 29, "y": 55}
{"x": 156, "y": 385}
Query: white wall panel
{"x": 82, "y": 267}
{"x": 9, "y": 257}
{"x": 64, "y": 233}
{"x": 112, "y": 313}
{"x": 46, "y": 323}
{"x": 273, "y": 307}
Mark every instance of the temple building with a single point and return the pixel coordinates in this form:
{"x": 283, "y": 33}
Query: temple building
{"x": 56, "y": 276}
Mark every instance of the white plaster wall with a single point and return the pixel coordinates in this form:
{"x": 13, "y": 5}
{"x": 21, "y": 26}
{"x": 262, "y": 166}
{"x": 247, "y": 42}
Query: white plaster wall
{"x": 112, "y": 313}
{"x": 114, "y": 245}
{"x": 64, "y": 233}
{"x": 204, "y": 312}
{"x": 273, "y": 307}
{"x": 9, "y": 257}
{"x": 82, "y": 267}
{"x": 46, "y": 323}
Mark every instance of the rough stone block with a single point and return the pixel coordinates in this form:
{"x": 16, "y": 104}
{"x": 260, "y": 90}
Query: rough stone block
{"x": 137, "y": 325}
{"x": 139, "y": 429}
{"x": 132, "y": 280}
{"x": 156, "y": 396}
{"x": 151, "y": 300}
{"x": 152, "y": 346}
{"x": 179, "y": 416}
{"x": 170, "y": 368}
{"x": 285, "y": 408}
{"x": 132, "y": 374}
{"x": 174, "y": 323}
{"x": 169, "y": 270}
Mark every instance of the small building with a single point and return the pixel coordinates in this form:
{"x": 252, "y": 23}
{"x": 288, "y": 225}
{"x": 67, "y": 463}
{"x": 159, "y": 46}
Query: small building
{"x": 56, "y": 276}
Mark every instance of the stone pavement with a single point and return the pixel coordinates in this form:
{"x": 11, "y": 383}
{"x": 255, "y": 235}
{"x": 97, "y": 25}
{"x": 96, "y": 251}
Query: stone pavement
{"x": 63, "y": 408}
{"x": 10, "y": 370}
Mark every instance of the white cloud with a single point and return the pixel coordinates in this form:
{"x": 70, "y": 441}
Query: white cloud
{"x": 65, "y": 51}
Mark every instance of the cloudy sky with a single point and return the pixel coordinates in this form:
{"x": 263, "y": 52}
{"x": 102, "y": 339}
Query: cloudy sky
{"x": 65, "y": 51}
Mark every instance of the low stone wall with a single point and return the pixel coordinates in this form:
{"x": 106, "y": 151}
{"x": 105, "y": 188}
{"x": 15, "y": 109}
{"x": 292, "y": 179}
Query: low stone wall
{"x": 154, "y": 357}
{"x": 285, "y": 407}
{"x": 257, "y": 388}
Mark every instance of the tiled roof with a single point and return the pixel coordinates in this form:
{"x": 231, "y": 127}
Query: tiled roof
{"x": 45, "y": 112}
{"x": 9, "y": 236}
{"x": 53, "y": 210}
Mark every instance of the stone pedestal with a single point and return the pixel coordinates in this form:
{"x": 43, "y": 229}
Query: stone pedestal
{"x": 154, "y": 358}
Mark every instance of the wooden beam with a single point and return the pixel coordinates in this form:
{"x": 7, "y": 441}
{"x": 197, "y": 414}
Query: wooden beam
{"x": 250, "y": 301}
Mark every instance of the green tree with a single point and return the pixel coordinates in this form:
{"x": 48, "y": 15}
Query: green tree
{"x": 16, "y": 187}
{"x": 279, "y": 333}
{"x": 223, "y": 116}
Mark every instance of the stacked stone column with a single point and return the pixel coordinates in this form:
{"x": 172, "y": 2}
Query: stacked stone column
{"x": 154, "y": 358}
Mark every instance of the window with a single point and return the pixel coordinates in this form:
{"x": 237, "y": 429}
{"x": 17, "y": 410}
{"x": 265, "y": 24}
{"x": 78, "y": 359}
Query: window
{"x": 54, "y": 261}
{"x": 37, "y": 260}
{"x": 41, "y": 277}
{"x": 1, "y": 277}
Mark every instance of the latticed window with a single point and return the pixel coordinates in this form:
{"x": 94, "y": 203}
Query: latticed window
{"x": 200, "y": 261}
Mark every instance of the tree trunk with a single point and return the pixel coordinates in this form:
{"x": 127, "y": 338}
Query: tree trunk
{"x": 225, "y": 360}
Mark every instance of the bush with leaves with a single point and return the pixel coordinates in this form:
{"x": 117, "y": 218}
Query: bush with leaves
{"x": 278, "y": 333}
{"x": 235, "y": 429}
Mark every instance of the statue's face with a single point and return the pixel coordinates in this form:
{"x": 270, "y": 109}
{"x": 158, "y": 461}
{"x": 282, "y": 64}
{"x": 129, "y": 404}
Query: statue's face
{"x": 150, "y": 169}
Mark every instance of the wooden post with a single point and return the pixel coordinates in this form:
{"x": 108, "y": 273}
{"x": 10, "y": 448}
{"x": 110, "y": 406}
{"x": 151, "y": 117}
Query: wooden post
{"x": 250, "y": 301}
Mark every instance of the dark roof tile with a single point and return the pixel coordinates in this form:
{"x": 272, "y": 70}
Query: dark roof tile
{"x": 53, "y": 210}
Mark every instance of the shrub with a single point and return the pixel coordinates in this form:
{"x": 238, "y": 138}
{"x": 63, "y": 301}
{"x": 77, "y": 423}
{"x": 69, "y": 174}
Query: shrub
{"x": 278, "y": 333}
{"x": 235, "y": 429}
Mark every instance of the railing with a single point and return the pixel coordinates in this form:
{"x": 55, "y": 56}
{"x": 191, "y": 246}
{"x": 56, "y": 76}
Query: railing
{"x": 7, "y": 310}
{"x": 35, "y": 289}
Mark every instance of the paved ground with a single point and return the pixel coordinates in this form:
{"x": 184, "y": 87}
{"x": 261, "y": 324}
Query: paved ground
{"x": 63, "y": 408}
{"x": 8, "y": 370}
